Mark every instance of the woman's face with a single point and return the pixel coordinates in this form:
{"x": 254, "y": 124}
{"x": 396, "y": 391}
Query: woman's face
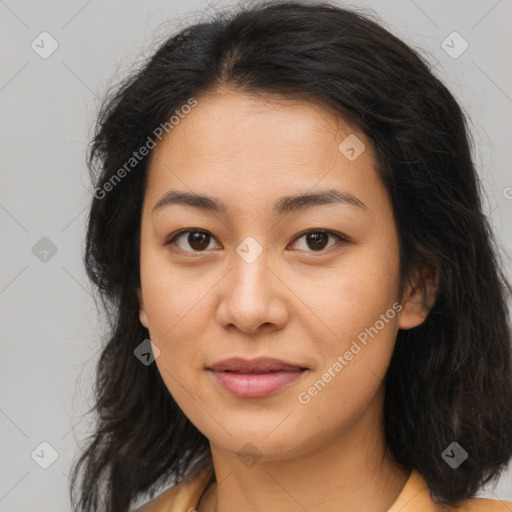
{"x": 252, "y": 283}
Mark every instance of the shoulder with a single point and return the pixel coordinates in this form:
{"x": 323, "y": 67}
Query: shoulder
{"x": 484, "y": 505}
{"x": 182, "y": 496}
{"x": 162, "y": 502}
{"x": 416, "y": 497}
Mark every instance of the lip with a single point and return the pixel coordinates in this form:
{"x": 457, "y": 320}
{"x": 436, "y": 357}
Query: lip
{"x": 259, "y": 364}
{"x": 254, "y": 378}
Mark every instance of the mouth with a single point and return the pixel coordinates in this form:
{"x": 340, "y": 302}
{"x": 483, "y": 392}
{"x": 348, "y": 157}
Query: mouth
{"x": 258, "y": 365}
{"x": 255, "y": 378}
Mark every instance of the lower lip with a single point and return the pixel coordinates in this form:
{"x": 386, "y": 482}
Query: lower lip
{"x": 254, "y": 385}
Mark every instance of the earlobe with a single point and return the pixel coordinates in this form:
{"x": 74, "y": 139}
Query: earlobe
{"x": 419, "y": 299}
{"x": 412, "y": 315}
{"x": 142, "y": 310}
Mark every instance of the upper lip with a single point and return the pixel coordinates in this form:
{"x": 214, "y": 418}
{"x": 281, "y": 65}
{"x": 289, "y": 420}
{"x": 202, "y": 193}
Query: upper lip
{"x": 260, "y": 364}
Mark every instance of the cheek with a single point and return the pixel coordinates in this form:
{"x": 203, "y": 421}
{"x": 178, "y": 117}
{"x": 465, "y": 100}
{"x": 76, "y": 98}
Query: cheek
{"x": 175, "y": 322}
{"x": 171, "y": 296}
{"x": 352, "y": 297}
{"x": 353, "y": 371}
{"x": 167, "y": 319}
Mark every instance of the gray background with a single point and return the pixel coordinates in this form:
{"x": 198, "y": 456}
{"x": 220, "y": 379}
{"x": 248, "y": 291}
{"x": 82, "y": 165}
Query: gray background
{"x": 50, "y": 332}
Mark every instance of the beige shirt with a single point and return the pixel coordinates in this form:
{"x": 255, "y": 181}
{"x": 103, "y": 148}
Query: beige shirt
{"x": 414, "y": 497}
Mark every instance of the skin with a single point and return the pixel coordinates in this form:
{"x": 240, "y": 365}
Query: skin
{"x": 292, "y": 303}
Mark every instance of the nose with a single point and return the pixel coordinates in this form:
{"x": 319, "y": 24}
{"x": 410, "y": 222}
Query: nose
{"x": 253, "y": 297}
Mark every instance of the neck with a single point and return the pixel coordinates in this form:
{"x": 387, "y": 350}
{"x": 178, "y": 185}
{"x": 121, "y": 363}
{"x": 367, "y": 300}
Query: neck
{"x": 349, "y": 472}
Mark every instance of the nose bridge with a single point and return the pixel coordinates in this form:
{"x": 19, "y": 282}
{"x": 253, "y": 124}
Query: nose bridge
{"x": 251, "y": 297}
{"x": 251, "y": 275}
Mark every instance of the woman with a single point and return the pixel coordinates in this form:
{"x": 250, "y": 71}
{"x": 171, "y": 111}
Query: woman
{"x": 308, "y": 311}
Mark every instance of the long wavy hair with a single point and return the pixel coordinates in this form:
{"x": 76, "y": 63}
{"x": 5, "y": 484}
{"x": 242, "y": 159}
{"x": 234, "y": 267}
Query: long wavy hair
{"x": 449, "y": 379}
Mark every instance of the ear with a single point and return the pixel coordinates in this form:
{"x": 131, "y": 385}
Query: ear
{"x": 142, "y": 310}
{"x": 419, "y": 297}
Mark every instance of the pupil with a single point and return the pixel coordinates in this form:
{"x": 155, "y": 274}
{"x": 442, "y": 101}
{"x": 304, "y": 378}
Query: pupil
{"x": 315, "y": 238}
{"x": 197, "y": 239}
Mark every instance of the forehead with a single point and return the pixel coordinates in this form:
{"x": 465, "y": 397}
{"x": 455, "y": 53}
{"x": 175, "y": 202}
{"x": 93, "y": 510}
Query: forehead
{"x": 233, "y": 119}
{"x": 239, "y": 146}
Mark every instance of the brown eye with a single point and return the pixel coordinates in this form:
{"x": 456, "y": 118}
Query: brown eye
{"x": 199, "y": 241}
{"x": 316, "y": 241}
{"x": 196, "y": 240}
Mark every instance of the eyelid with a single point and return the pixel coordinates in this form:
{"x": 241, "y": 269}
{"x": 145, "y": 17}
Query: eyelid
{"x": 340, "y": 236}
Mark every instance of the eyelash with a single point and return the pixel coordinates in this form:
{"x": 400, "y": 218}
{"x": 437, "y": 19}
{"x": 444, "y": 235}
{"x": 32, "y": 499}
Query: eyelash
{"x": 341, "y": 238}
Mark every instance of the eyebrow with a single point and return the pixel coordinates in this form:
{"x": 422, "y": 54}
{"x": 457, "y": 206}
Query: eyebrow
{"x": 282, "y": 206}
